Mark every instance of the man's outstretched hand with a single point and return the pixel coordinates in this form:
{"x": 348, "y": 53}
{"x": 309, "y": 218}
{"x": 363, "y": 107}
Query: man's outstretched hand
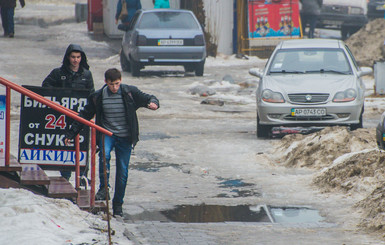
{"x": 68, "y": 142}
{"x": 152, "y": 106}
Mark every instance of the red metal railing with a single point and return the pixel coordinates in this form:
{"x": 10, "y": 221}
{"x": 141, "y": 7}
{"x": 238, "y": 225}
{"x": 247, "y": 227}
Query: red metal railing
{"x": 9, "y": 85}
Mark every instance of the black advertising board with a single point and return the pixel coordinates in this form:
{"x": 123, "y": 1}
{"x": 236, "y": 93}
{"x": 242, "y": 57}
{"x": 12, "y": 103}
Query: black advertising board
{"x": 42, "y": 129}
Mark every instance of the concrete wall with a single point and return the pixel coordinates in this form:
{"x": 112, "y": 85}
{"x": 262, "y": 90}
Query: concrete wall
{"x": 220, "y": 23}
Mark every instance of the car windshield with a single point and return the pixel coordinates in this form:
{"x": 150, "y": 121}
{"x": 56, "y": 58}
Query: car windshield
{"x": 168, "y": 20}
{"x": 310, "y": 61}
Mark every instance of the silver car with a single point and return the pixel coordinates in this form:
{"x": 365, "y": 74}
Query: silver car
{"x": 163, "y": 37}
{"x": 310, "y": 82}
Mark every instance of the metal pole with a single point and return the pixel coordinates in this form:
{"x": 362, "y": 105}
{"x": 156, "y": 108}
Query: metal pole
{"x": 52, "y": 105}
{"x": 93, "y": 153}
{"x": 106, "y": 188}
{"x": 7, "y": 126}
{"x": 77, "y": 164}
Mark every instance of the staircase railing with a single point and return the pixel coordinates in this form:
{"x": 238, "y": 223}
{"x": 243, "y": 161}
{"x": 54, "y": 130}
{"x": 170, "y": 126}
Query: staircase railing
{"x": 9, "y": 85}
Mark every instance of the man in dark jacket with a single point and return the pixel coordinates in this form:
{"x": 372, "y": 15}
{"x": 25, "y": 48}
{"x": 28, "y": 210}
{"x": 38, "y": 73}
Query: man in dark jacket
{"x": 73, "y": 73}
{"x": 115, "y": 106}
{"x": 7, "y": 14}
{"x": 310, "y": 11}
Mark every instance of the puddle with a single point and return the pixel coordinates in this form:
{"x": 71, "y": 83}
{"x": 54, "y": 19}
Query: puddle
{"x": 233, "y": 183}
{"x": 241, "y": 213}
{"x": 152, "y": 166}
{"x": 237, "y": 188}
{"x": 295, "y": 215}
{"x": 155, "y": 136}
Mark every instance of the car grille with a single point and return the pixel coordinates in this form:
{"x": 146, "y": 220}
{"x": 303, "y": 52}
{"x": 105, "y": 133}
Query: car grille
{"x": 335, "y": 9}
{"x": 308, "y": 98}
{"x": 305, "y": 119}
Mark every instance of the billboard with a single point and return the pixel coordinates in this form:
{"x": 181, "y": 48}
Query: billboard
{"x": 42, "y": 129}
{"x": 273, "y": 18}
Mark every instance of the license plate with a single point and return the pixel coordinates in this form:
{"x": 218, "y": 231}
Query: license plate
{"x": 170, "y": 42}
{"x": 306, "y": 112}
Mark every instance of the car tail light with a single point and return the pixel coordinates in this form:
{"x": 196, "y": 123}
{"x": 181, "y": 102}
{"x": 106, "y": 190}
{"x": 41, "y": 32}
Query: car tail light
{"x": 141, "y": 40}
{"x": 199, "y": 40}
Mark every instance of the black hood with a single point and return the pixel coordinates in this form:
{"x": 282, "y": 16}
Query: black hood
{"x": 77, "y": 48}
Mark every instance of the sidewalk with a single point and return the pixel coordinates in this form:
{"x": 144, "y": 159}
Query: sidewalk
{"x": 45, "y": 13}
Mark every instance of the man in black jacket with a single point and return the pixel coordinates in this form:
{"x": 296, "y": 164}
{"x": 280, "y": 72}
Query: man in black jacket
{"x": 73, "y": 73}
{"x": 310, "y": 11}
{"x": 7, "y": 10}
{"x": 115, "y": 106}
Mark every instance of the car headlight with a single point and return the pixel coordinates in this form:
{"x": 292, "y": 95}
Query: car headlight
{"x": 345, "y": 96}
{"x": 355, "y": 10}
{"x": 272, "y": 97}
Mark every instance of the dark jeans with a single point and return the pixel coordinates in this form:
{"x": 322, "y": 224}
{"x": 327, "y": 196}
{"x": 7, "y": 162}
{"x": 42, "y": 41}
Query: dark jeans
{"x": 312, "y": 21}
{"x": 67, "y": 174}
{"x": 7, "y": 20}
{"x": 122, "y": 153}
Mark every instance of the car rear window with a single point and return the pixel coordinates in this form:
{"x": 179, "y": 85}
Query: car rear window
{"x": 310, "y": 60}
{"x": 168, "y": 20}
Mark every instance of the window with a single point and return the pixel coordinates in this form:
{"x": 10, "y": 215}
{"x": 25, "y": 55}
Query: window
{"x": 168, "y": 20}
{"x": 310, "y": 60}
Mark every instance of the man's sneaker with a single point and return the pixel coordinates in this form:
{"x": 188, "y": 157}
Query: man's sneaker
{"x": 101, "y": 195}
{"x": 117, "y": 210}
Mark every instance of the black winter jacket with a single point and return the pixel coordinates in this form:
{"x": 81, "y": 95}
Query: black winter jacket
{"x": 11, "y": 3}
{"x": 64, "y": 77}
{"x": 133, "y": 99}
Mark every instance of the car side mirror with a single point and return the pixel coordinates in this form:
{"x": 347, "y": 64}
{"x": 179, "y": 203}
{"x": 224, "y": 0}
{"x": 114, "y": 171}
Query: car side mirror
{"x": 365, "y": 71}
{"x": 256, "y": 72}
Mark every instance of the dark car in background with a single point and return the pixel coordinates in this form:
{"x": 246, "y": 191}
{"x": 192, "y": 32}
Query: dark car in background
{"x": 163, "y": 37}
{"x": 348, "y": 16}
{"x": 376, "y": 9}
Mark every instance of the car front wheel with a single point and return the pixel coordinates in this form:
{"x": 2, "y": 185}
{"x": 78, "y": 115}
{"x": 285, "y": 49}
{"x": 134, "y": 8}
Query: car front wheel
{"x": 347, "y": 31}
{"x": 359, "y": 124}
{"x": 135, "y": 68}
{"x": 124, "y": 62}
{"x": 199, "y": 68}
{"x": 189, "y": 68}
{"x": 263, "y": 131}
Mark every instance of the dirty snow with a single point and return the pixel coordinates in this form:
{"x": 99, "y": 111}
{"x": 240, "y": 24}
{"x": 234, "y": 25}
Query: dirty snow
{"x": 43, "y": 220}
{"x": 366, "y": 43}
{"x": 346, "y": 161}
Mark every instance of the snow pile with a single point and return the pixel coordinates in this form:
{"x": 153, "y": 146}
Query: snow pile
{"x": 347, "y": 162}
{"x": 42, "y": 220}
{"x": 223, "y": 91}
{"x": 231, "y": 60}
{"x": 374, "y": 210}
{"x": 319, "y": 150}
{"x": 356, "y": 172}
{"x": 366, "y": 43}
{"x": 360, "y": 173}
